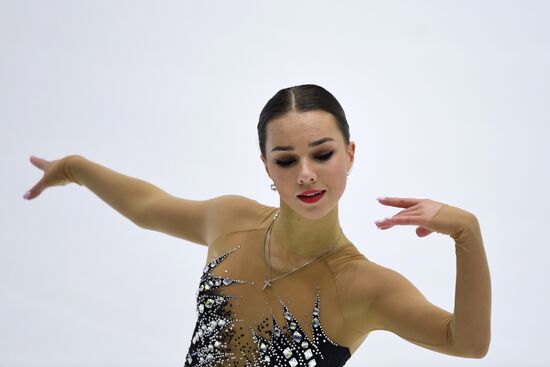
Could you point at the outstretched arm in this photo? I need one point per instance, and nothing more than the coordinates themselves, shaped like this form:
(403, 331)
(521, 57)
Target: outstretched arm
(146, 205)
(399, 307)
(123, 193)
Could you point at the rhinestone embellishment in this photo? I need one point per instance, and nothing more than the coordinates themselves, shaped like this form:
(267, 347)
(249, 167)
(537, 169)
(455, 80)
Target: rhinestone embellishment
(291, 347)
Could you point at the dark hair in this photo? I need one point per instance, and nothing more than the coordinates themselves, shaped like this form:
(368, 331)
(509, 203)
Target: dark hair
(301, 98)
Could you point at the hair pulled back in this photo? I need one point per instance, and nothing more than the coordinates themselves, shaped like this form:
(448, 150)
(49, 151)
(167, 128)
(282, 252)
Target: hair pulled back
(301, 98)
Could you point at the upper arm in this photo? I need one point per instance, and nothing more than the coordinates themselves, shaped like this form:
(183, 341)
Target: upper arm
(198, 221)
(398, 306)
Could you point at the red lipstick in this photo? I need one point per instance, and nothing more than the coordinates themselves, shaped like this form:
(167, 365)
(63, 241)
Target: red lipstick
(311, 196)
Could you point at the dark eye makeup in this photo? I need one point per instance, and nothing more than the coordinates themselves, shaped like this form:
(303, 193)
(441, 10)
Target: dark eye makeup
(288, 162)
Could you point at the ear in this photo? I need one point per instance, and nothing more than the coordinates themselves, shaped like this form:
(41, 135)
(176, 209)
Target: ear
(351, 154)
(265, 164)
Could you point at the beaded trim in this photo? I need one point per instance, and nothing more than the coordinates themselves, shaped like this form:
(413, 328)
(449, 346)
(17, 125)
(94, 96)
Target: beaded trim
(288, 346)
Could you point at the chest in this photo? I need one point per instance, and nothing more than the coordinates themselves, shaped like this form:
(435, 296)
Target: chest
(296, 321)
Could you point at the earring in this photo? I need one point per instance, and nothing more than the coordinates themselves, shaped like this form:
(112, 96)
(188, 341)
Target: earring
(347, 174)
(273, 187)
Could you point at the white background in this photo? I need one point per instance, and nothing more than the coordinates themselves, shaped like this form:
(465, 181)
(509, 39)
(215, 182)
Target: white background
(446, 100)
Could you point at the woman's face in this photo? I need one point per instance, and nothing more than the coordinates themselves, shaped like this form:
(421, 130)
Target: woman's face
(306, 151)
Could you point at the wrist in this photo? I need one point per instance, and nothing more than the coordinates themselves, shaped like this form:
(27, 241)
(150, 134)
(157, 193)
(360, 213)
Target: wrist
(70, 167)
(469, 234)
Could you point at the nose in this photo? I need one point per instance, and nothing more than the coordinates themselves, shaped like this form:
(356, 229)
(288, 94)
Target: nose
(306, 174)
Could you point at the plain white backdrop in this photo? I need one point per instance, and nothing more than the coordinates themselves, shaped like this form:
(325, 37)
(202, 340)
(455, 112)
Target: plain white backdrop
(447, 100)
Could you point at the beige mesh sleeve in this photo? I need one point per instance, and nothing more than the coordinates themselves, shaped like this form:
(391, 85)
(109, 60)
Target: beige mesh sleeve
(198, 221)
(379, 298)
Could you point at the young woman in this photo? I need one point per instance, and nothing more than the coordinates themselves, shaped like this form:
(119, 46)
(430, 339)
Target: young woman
(283, 286)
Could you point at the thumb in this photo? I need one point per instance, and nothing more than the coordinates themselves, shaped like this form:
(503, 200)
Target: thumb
(422, 232)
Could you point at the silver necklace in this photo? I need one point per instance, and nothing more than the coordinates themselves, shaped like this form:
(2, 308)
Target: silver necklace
(267, 283)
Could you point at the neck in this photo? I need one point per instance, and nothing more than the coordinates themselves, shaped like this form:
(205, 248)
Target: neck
(295, 239)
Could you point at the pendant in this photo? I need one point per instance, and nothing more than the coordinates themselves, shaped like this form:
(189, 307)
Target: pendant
(267, 283)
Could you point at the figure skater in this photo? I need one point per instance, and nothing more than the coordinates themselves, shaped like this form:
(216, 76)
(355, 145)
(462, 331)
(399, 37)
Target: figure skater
(283, 286)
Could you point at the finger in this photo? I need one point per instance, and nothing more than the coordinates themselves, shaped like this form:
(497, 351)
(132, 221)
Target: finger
(384, 223)
(412, 211)
(390, 222)
(399, 202)
(39, 162)
(36, 190)
(404, 220)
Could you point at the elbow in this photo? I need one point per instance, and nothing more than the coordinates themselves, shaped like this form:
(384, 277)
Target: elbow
(475, 345)
(481, 347)
(472, 349)
(477, 351)
(481, 350)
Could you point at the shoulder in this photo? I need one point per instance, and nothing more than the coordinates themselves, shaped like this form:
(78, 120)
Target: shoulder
(235, 203)
(354, 272)
(230, 213)
(365, 279)
(240, 208)
(360, 282)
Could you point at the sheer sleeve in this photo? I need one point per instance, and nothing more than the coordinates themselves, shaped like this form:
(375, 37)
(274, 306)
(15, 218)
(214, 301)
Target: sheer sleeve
(148, 206)
(383, 299)
(229, 213)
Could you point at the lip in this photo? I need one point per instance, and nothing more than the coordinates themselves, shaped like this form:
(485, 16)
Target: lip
(312, 199)
(309, 192)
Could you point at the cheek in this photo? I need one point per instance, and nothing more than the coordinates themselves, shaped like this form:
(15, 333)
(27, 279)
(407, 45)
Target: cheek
(338, 168)
(337, 175)
(338, 180)
(282, 178)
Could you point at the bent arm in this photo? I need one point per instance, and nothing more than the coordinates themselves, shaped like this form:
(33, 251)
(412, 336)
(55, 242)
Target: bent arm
(472, 311)
(402, 309)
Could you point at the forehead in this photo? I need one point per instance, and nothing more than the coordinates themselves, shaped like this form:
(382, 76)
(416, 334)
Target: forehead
(301, 128)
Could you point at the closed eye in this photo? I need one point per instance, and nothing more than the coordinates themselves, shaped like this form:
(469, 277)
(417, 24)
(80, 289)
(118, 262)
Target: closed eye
(288, 162)
(326, 156)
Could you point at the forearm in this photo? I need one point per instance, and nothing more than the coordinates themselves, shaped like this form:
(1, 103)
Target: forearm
(125, 194)
(471, 325)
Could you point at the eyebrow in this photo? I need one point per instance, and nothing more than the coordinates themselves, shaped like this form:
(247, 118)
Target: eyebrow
(312, 144)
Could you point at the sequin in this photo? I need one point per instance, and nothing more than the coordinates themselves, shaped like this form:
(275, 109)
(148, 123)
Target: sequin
(215, 330)
(287, 353)
(209, 302)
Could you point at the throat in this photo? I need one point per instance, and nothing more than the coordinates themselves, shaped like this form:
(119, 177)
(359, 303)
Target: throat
(287, 255)
(295, 240)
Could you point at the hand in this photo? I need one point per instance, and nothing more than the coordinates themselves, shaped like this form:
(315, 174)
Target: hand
(53, 175)
(418, 211)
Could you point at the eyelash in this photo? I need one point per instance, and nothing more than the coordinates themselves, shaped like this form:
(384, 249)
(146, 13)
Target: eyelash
(322, 157)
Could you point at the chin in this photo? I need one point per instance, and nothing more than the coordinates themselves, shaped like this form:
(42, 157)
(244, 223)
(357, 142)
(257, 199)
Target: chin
(313, 212)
